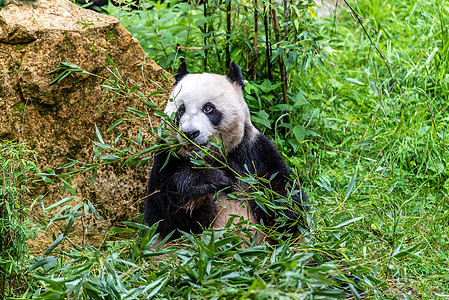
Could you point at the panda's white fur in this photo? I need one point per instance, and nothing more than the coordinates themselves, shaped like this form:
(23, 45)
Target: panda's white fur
(194, 91)
(184, 197)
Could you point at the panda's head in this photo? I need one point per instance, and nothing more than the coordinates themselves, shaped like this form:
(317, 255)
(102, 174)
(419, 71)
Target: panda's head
(209, 105)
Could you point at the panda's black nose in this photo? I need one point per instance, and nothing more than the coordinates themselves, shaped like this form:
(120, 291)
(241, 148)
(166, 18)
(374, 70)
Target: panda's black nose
(192, 134)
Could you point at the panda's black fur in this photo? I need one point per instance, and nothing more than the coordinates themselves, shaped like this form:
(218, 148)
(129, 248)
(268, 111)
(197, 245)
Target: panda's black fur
(178, 185)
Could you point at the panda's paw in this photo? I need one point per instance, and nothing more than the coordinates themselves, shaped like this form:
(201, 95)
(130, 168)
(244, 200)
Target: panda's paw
(222, 183)
(212, 187)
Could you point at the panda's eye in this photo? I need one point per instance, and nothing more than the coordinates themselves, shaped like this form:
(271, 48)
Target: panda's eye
(208, 108)
(181, 110)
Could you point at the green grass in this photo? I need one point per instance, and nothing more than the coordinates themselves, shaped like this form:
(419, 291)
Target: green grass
(367, 141)
(390, 134)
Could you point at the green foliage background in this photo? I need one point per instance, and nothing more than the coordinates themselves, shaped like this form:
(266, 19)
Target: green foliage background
(362, 125)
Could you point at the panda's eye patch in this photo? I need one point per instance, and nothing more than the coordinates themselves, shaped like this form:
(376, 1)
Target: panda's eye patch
(212, 113)
(181, 110)
(208, 108)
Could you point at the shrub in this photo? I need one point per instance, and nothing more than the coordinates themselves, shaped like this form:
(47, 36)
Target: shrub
(17, 170)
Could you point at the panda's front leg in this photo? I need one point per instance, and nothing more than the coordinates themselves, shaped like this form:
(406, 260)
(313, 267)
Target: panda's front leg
(191, 185)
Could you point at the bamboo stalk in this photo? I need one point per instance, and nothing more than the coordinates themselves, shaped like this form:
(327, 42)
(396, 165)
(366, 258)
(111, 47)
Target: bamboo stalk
(255, 41)
(228, 34)
(281, 60)
(285, 18)
(206, 32)
(267, 41)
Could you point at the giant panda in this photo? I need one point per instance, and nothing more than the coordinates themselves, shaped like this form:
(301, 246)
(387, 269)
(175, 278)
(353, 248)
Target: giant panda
(183, 196)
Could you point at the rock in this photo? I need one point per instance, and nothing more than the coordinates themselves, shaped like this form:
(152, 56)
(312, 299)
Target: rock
(57, 120)
(326, 8)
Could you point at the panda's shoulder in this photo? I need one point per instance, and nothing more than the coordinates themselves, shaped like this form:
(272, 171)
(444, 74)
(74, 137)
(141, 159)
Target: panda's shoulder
(259, 152)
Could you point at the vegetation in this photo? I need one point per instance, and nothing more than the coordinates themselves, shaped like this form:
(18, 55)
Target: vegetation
(356, 103)
(366, 131)
(17, 170)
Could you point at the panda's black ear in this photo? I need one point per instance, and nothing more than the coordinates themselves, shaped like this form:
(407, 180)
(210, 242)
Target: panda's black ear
(182, 71)
(235, 74)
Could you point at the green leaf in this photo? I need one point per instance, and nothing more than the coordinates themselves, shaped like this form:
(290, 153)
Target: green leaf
(117, 123)
(373, 86)
(136, 225)
(70, 164)
(67, 199)
(156, 286)
(164, 240)
(122, 230)
(430, 58)
(261, 117)
(364, 143)
(155, 93)
(137, 112)
(99, 135)
(109, 157)
(281, 107)
(351, 185)
(42, 262)
(347, 222)
(69, 225)
(102, 146)
(150, 104)
(68, 187)
(151, 149)
(299, 132)
(69, 65)
(60, 77)
(139, 137)
(94, 211)
(94, 175)
(355, 81)
(400, 125)
(109, 60)
(255, 251)
(54, 244)
(148, 253)
(398, 254)
(45, 179)
(300, 99)
(312, 12)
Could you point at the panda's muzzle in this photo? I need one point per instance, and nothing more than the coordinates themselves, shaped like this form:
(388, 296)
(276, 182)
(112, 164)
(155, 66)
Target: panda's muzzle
(191, 134)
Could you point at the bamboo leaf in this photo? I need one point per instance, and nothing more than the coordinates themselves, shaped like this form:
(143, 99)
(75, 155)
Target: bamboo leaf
(67, 199)
(100, 138)
(354, 81)
(94, 211)
(398, 254)
(68, 187)
(350, 188)
(54, 244)
(347, 222)
(42, 262)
